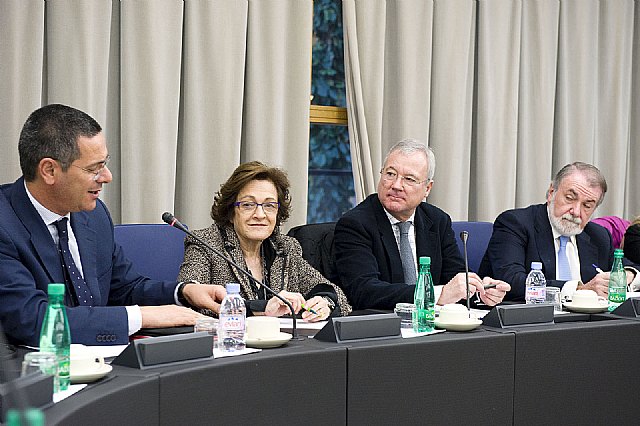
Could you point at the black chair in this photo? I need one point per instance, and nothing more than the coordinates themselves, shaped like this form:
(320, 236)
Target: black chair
(316, 240)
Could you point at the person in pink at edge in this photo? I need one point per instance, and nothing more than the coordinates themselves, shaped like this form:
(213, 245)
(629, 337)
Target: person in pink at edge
(616, 227)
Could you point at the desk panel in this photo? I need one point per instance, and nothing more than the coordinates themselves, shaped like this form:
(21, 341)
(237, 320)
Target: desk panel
(297, 384)
(571, 373)
(424, 380)
(116, 400)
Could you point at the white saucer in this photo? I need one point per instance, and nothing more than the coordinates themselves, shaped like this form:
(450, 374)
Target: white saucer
(600, 307)
(269, 343)
(459, 326)
(91, 376)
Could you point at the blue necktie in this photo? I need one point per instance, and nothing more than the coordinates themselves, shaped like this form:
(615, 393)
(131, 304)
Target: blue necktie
(564, 270)
(408, 265)
(72, 274)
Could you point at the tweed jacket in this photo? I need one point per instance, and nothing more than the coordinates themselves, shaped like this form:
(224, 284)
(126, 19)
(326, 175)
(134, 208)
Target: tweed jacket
(287, 270)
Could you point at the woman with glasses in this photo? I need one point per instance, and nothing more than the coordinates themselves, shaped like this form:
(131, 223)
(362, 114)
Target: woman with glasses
(247, 213)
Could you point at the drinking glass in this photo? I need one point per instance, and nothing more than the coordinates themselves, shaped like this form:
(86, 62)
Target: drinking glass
(553, 297)
(210, 325)
(43, 362)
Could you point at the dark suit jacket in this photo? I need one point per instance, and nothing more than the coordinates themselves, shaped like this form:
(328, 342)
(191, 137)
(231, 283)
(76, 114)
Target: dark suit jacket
(368, 259)
(29, 261)
(632, 243)
(522, 236)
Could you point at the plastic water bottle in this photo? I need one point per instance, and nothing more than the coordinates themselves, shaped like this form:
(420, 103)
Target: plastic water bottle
(231, 327)
(536, 285)
(424, 298)
(55, 337)
(617, 281)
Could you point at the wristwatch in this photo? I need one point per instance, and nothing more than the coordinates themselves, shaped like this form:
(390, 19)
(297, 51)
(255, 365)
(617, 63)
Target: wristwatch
(330, 302)
(183, 300)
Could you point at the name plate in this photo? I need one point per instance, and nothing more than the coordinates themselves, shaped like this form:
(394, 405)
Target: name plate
(360, 328)
(629, 308)
(519, 315)
(35, 390)
(156, 351)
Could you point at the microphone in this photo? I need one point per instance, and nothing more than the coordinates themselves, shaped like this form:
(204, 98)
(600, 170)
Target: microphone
(171, 220)
(463, 236)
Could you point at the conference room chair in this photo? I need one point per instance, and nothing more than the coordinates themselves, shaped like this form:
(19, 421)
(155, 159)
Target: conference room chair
(477, 241)
(156, 250)
(316, 240)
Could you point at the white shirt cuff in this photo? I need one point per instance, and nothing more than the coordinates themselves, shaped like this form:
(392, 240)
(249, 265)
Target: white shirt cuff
(569, 287)
(437, 291)
(134, 318)
(635, 284)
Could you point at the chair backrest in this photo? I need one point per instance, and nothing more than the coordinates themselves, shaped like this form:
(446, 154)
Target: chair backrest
(477, 242)
(156, 250)
(316, 240)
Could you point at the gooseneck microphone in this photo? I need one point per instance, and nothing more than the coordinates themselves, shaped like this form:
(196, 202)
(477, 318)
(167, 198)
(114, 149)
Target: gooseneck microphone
(463, 236)
(171, 220)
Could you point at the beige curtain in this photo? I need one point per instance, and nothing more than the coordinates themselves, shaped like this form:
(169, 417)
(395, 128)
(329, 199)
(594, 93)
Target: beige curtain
(514, 90)
(185, 90)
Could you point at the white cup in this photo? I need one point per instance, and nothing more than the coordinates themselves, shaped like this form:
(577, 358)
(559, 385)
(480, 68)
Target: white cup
(585, 298)
(454, 313)
(84, 360)
(263, 328)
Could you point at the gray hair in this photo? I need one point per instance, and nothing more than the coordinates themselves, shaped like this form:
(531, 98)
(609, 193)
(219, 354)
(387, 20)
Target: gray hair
(410, 146)
(594, 177)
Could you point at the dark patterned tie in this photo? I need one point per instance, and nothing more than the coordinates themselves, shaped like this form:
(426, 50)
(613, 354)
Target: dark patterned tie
(408, 265)
(72, 273)
(564, 269)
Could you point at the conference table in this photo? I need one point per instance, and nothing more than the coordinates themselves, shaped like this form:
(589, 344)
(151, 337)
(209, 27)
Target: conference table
(578, 371)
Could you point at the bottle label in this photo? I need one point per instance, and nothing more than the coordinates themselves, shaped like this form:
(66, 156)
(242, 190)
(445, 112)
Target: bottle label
(231, 322)
(536, 294)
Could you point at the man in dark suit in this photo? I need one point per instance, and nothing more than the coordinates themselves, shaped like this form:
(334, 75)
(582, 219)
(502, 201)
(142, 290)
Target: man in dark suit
(63, 157)
(534, 234)
(369, 239)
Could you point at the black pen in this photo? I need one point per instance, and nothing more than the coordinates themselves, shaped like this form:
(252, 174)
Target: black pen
(488, 286)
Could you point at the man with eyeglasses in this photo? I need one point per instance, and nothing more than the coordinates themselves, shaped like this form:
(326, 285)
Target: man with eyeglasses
(377, 243)
(54, 228)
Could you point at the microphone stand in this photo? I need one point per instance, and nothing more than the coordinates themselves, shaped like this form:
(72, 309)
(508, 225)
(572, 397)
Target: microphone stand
(463, 236)
(170, 219)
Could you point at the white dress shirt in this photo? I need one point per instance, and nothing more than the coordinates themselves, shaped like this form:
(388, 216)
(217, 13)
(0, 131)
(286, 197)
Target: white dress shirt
(134, 315)
(412, 241)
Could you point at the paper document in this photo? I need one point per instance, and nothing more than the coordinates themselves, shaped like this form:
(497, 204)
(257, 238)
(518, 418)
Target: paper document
(217, 353)
(300, 324)
(408, 333)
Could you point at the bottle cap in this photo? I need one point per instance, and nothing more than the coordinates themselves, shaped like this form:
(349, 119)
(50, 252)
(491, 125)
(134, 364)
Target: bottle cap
(618, 253)
(233, 288)
(13, 417)
(34, 417)
(56, 289)
(425, 260)
(536, 265)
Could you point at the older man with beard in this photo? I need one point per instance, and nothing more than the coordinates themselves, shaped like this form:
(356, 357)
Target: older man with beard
(559, 235)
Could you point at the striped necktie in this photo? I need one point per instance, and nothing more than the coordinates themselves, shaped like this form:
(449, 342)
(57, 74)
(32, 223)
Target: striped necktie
(408, 264)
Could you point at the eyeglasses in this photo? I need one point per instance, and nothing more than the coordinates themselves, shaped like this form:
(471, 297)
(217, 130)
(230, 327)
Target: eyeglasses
(96, 171)
(392, 176)
(269, 207)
